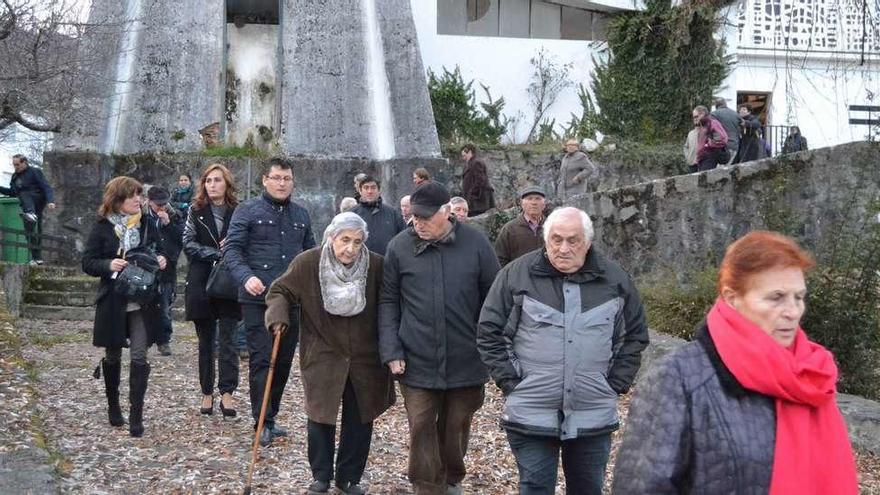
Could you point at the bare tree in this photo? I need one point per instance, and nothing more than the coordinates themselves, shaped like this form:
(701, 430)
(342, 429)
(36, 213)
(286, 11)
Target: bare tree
(549, 78)
(46, 66)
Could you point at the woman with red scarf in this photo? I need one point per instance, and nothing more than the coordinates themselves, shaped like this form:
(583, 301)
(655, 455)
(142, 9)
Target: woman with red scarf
(749, 406)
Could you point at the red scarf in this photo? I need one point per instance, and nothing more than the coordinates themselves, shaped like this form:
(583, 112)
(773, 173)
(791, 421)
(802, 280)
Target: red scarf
(812, 453)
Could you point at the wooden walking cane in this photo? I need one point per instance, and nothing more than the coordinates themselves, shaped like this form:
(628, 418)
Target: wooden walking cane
(250, 477)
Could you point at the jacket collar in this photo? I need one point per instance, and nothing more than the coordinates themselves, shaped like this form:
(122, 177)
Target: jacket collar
(593, 267)
(728, 381)
(274, 202)
(420, 245)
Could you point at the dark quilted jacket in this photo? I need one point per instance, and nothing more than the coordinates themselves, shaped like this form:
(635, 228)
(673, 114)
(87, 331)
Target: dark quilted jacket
(692, 428)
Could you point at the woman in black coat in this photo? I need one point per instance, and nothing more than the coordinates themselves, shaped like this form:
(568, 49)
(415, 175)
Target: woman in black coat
(750, 145)
(203, 238)
(119, 322)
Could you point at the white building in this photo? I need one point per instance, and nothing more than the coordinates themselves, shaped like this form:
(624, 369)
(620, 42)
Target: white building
(798, 62)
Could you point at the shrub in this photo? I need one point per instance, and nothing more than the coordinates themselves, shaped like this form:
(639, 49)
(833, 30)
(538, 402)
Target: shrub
(456, 114)
(676, 309)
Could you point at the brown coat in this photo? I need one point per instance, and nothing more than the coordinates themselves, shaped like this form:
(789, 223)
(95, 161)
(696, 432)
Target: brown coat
(333, 349)
(516, 239)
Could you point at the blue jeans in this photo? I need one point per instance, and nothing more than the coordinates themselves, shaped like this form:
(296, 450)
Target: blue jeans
(166, 299)
(583, 462)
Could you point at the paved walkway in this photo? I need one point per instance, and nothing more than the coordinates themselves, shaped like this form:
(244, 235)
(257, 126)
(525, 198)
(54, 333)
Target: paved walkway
(68, 446)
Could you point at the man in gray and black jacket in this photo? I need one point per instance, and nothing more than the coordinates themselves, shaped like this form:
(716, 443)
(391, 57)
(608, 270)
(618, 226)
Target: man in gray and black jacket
(436, 276)
(562, 331)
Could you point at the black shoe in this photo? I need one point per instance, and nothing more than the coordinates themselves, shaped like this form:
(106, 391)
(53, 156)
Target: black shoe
(227, 412)
(209, 410)
(164, 349)
(350, 488)
(111, 388)
(265, 436)
(137, 379)
(277, 431)
(317, 487)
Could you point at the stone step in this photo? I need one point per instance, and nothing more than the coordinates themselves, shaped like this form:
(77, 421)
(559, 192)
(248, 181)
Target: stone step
(71, 298)
(54, 271)
(80, 284)
(60, 298)
(75, 313)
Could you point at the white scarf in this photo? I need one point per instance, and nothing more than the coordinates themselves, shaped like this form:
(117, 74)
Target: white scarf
(343, 288)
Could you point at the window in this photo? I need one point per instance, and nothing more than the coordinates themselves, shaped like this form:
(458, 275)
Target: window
(519, 19)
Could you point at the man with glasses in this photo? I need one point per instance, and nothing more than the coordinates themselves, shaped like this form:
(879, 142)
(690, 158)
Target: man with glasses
(265, 234)
(435, 278)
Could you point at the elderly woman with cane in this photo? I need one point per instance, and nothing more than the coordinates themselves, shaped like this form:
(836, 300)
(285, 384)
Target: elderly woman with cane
(339, 353)
(749, 406)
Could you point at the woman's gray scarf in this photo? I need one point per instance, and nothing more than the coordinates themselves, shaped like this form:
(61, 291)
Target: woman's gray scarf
(343, 288)
(127, 229)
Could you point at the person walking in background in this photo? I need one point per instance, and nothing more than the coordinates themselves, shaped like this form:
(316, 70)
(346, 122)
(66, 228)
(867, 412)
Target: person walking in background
(121, 230)
(577, 173)
(405, 210)
(691, 144)
(459, 207)
(34, 194)
(730, 120)
(712, 141)
(562, 331)
(751, 146)
(204, 237)
(475, 187)
(265, 234)
(336, 285)
(183, 193)
(383, 221)
(749, 405)
(420, 176)
(169, 223)
(358, 179)
(435, 278)
(524, 233)
(795, 141)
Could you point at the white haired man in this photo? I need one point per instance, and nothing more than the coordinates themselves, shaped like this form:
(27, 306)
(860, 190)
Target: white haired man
(459, 207)
(562, 331)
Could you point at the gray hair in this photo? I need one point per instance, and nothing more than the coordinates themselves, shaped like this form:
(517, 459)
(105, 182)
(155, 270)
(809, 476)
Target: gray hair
(558, 216)
(347, 203)
(345, 221)
(456, 200)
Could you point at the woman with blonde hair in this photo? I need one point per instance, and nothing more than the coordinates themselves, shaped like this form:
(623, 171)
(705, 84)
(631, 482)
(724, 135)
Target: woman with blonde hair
(203, 239)
(749, 406)
(121, 231)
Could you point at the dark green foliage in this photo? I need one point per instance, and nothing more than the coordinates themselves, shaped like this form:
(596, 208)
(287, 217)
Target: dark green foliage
(497, 220)
(456, 114)
(843, 303)
(677, 309)
(666, 158)
(588, 123)
(661, 62)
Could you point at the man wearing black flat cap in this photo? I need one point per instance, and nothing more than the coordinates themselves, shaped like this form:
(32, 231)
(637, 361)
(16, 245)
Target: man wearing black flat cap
(523, 233)
(435, 278)
(169, 223)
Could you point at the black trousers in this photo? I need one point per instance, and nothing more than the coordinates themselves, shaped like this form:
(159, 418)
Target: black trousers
(227, 358)
(259, 341)
(354, 444)
(33, 230)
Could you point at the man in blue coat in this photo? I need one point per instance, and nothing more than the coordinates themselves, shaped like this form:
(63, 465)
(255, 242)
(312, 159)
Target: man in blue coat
(265, 234)
(34, 194)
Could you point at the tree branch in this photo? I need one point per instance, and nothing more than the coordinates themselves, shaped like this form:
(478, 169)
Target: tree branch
(9, 24)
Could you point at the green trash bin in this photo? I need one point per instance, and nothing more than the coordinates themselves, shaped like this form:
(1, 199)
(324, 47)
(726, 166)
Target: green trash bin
(10, 218)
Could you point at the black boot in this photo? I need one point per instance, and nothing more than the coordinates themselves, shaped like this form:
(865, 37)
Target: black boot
(111, 388)
(137, 383)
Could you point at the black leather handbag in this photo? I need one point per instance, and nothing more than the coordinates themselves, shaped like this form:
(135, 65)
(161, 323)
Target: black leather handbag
(137, 281)
(221, 284)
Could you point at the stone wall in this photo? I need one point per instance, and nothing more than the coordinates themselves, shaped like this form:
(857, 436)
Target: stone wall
(679, 223)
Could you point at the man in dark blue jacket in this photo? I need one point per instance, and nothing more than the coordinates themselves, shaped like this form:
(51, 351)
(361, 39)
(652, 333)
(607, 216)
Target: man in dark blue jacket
(168, 222)
(34, 194)
(265, 234)
(383, 221)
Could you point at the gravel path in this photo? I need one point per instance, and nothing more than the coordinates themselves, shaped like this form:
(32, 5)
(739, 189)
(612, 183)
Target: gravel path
(185, 452)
